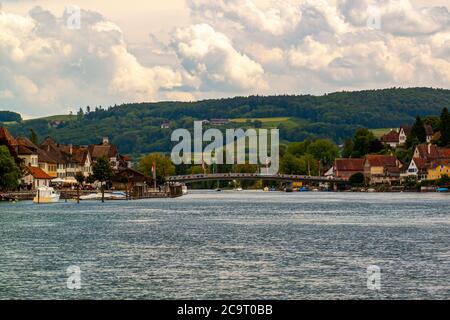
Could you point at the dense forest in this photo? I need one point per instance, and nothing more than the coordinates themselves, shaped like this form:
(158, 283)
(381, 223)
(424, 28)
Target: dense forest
(9, 116)
(136, 128)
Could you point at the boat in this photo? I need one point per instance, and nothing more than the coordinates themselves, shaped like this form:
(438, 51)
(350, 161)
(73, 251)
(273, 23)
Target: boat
(46, 195)
(238, 189)
(442, 190)
(184, 189)
(218, 189)
(117, 195)
(266, 189)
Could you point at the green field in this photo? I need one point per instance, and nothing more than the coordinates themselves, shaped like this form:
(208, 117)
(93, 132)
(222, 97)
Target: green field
(267, 123)
(378, 133)
(62, 117)
(263, 120)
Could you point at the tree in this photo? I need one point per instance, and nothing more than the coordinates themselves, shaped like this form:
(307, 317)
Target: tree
(444, 181)
(357, 179)
(290, 164)
(361, 142)
(103, 173)
(80, 114)
(298, 148)
(305, 165)
(348, 148)
(418, 133)
(324, 150)
(164, 166)
(9, 116)
(33, 136)
(80, 179)
(445, 127)
(376, 146)
(9, 171)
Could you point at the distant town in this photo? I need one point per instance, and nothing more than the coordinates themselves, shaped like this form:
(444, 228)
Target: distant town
(412, 157)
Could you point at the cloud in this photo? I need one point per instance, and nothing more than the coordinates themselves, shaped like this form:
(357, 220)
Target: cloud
(225, 48)
(329, 45)
(210, 56)
(49, 68)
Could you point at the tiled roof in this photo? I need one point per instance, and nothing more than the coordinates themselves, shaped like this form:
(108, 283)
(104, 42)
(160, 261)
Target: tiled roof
(25, 151)
(407, 129)
(444, 153)
(420, 163)
(392, 136)
(428, 151)
(376, 160)
(98, 151)
(349, 164)
(44, 156)
(38, 173)
(7, 137)
(22, 141)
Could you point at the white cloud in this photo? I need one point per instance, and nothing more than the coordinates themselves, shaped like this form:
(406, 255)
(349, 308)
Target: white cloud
(49, 67)
(225, 48)
(210, 56)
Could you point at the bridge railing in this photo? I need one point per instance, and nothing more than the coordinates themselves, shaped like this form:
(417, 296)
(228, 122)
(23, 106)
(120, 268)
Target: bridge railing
(212, 176)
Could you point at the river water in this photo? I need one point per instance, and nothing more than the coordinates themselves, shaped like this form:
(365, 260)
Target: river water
(229, 245)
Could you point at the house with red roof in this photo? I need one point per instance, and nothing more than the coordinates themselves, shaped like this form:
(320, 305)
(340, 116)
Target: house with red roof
(345, 168)
(426, 157)
(36, 177)
(391, 139)
(382, 169)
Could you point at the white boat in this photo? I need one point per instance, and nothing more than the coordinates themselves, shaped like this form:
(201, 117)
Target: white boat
(184, 190)
(238, 189)
(46, 195)
(92, 196)
(117, 195)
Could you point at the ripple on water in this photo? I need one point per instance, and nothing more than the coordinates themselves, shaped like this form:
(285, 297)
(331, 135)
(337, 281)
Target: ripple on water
(229, 245)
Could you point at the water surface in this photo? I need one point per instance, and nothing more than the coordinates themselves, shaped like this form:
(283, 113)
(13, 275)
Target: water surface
(229, 245)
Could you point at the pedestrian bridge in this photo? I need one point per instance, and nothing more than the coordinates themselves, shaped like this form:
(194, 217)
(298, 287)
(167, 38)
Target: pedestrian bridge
(252, 176)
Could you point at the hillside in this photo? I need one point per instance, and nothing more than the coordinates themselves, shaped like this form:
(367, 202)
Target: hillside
(135, 128)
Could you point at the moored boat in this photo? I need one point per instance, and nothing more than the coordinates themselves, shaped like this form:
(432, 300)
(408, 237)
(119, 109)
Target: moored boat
(46, 195)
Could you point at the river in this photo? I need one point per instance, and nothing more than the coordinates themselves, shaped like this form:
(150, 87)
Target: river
(229, 245)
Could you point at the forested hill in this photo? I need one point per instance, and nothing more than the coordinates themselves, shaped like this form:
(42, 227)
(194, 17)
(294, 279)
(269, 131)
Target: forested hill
(135, 128)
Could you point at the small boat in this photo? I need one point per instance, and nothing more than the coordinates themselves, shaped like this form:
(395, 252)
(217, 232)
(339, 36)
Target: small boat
(442, 190)
(92, 196)
(266, 189)
(46, 195)
(117, 195)
(238, 189)
(218, 189)
(184, 190)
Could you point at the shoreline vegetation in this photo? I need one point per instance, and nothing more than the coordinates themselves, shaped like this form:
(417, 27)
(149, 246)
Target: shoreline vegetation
(413, 156)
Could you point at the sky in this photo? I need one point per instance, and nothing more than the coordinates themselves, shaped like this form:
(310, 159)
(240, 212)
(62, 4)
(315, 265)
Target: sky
(54, 60)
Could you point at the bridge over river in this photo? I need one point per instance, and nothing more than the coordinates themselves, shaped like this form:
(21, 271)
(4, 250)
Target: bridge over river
(252, 176)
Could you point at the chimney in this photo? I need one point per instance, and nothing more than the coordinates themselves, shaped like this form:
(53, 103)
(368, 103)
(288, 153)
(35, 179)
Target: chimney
(105, 141)
(70, 148)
